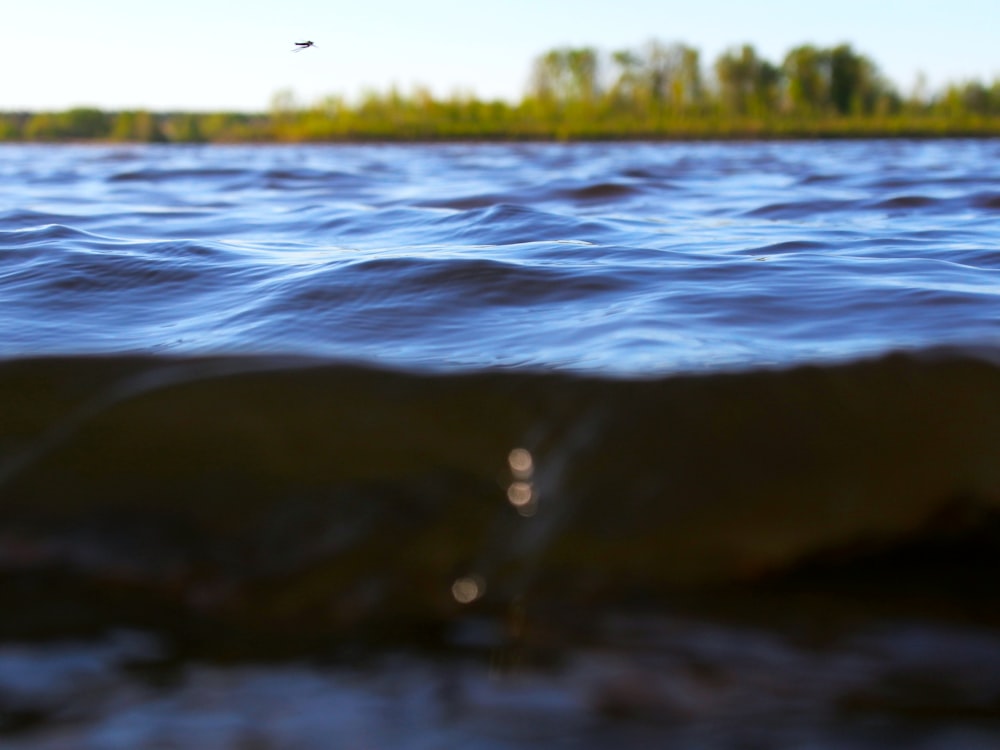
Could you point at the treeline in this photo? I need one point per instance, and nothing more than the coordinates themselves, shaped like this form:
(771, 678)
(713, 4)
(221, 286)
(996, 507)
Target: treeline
(656, 91)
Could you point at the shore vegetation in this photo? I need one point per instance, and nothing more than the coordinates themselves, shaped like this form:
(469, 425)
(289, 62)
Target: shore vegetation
(656, 91)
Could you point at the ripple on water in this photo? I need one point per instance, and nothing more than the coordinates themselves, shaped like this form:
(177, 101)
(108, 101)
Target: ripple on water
(448, 241)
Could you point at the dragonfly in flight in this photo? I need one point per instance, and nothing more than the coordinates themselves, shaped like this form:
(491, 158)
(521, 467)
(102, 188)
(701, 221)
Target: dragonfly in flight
(299, 46)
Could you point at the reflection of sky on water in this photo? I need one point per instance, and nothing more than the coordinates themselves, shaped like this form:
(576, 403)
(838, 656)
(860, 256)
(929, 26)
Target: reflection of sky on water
(613, 258)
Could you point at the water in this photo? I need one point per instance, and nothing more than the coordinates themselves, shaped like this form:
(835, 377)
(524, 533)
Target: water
(593, 444)
(629, 259)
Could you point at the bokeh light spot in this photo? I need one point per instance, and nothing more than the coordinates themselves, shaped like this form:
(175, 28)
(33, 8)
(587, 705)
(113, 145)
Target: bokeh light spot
(468, 588)
(521, 463)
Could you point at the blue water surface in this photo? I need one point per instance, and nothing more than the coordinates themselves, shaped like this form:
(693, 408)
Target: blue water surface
(612, 258)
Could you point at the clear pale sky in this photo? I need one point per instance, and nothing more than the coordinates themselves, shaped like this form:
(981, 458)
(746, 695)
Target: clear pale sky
(235, 54)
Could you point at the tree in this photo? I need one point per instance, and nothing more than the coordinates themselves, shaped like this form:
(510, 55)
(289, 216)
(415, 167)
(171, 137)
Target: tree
(85, 122)
(973, 98)
(184, 128)
(807, 72)
(138, 126)
(10, 127)
(747, 83)
(836, 80)
(43, 126)
(855, 84)
(673, 75)
(626, 88)
(566, 75)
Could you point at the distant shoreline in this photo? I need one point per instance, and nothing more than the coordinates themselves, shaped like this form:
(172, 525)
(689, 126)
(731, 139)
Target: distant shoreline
(514, 125)
(655, 92)
(360, 140)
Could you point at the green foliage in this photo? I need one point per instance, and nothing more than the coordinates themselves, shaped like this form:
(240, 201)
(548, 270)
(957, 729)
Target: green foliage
(75, 124)
(182, 128)
(11, 126)
(748, 84)
(141, 127)
(568, 75)
(657, 90)
(837, 80)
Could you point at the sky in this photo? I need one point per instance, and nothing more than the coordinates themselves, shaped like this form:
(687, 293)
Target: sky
(212, 55)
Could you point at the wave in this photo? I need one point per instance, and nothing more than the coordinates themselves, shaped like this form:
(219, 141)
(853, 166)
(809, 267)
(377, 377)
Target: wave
(626, 258)
(802, 209)
(319, 496)
(986, 200)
